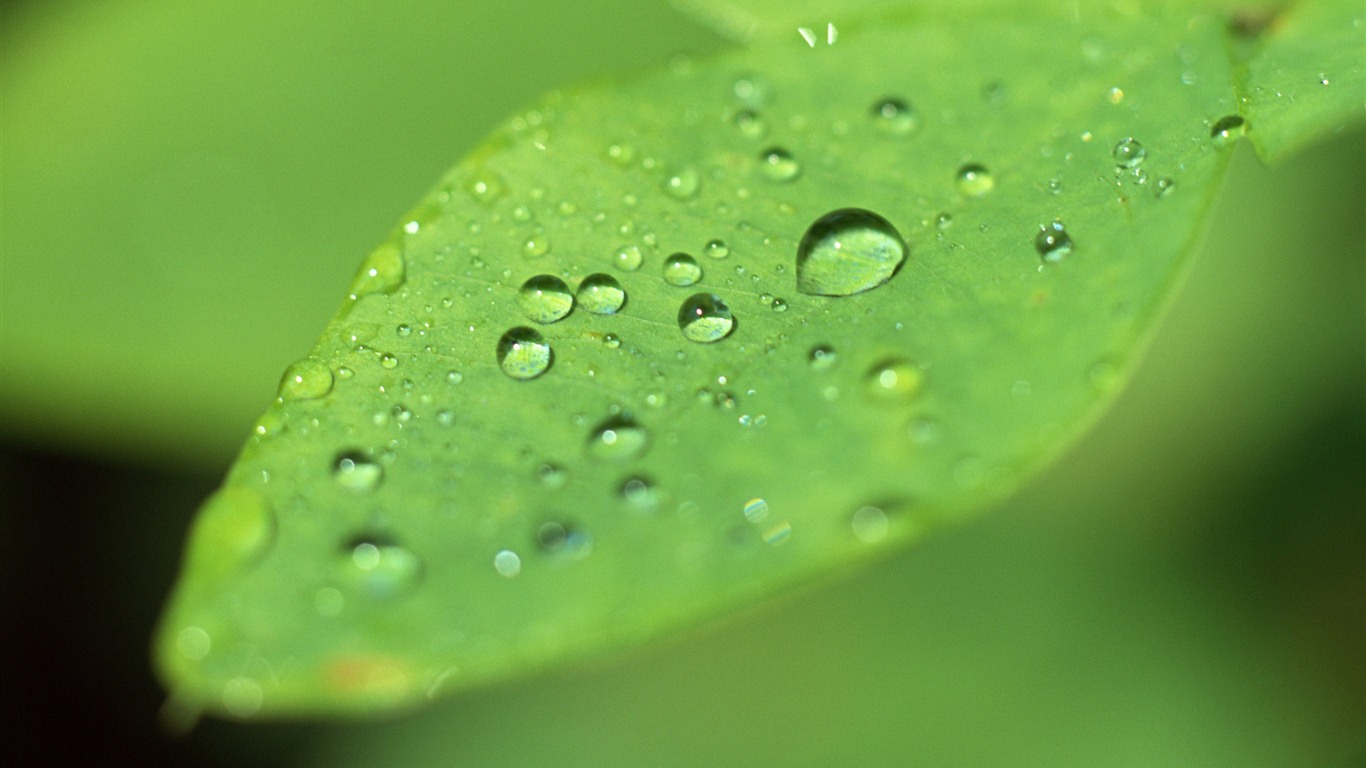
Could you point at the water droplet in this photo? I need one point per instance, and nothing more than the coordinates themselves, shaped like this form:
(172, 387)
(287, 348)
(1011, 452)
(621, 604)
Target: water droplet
(1227, 130)
(486, 188)
(381, 272)
(682, 270)
(705, 318)
(545, 298)
(235, 529)
(974, 180)
(507, 563)
(454, 377)
(752, 90)
(895, 117)
(716, 249)
(388, 361)
(242, 697)
(821, 357)
(1164, 186)
(1053, 242)
(894, 379)
(379, 568)
(523, 353)
(193, 643)
(779, 304)
(611, 340)
(306, 379)
(779, 165)
(848, 251)
(640, 493)
(869, 524)
(1128, 153)
(755, 510)
(627, 258)
(943, 221)
(618, 438)
(563, 540)
(357, 472)
(1115, 96)
(536, 246)
(683, 184)
(778, 534)
(552, 476)
(600, 294)
(750, 124)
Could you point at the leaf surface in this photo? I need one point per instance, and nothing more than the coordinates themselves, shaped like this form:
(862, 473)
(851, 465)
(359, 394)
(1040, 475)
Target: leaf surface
(465, 482)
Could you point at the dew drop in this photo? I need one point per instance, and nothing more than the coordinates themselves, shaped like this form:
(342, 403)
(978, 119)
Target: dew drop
(381, 272)
(869, 524)
(618, 438)
(563, 540)
(306, 379)
(454, 377)
(943, 221)
(611, 340)
(545, 298)
(974, 180)
(641, 493)
(681, 270)
(242, 697)
(536, 246)
(507, 563)
(388, 361)
(683, 184)
(895, 117)
(600, 294)
(379, 568)
(1227, 130)
(523, 353)
(821, 357)
(193, 643)
(235, 529)
(1053, 242)
(779, 165)
(848, 251)
(750, 124)
(1163, 186)
(705, 318)
(356, 472)
(894, 379)
(628, 258)
(1128, 153)
(716, 249)
(552, 476)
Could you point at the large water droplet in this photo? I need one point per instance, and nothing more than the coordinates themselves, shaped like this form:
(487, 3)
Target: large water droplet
(779, 165)
(235, 529)
(1128, 153)
(601, 294)
(1227, 130)
(974, 180)
(894, 116)
(704, 318)
(357, 472)
(381, 272)
(523, 353)
(682, 270)
(628, 258)
(1053, 242)
(306, 379)
(545, 298)
(617, 439)
(379, 568)
(848, 251)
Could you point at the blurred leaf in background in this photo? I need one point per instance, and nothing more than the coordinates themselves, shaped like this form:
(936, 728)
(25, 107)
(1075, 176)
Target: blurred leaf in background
(1185, 588)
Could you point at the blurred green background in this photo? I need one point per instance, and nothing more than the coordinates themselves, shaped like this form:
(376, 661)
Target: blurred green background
(185, 190)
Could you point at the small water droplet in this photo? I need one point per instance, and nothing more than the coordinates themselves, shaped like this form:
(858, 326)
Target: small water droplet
(618, 438)
(1128, 153)
(379, 568)
(242, 697)
(536, 246)
(821, 357)
(681, 270)
(716, 249)
(705, 318)
(628, 258)
(869, 524)
(1114, 95)
(755, 510)
(1164, 186)
(974, 180)
(895, 117)
(894, 379)
(562, 540)
(454, 377)
(683, 184)
(600, 294)
(193, 643)
(523, 353)
(486, 188)
(750, 124)
(1053, 242)
(388, 361)
(552, 476)
(779, 304)
(507, 563)
(611, 340)
(641, 493)
(779, 165)
(381, 272)
(943, 221)
(545, 299)
(1227, 130)
(848, 251)
(306, 379)
(356, 472)
(752, 90)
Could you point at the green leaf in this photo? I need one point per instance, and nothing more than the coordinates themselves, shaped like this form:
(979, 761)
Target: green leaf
(460, 484)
